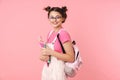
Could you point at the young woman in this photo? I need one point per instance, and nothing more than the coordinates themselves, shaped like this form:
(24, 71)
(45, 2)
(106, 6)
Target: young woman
(54, 69)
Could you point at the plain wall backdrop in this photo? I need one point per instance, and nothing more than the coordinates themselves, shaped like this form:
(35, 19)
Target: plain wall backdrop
(94, 24)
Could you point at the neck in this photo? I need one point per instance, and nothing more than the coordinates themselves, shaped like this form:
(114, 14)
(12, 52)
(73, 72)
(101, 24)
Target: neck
(57, 29)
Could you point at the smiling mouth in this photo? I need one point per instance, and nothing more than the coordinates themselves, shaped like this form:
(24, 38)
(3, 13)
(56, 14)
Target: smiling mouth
(55, 23)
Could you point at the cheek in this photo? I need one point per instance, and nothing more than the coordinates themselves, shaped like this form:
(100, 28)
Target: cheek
(51, 21)
(59, 20)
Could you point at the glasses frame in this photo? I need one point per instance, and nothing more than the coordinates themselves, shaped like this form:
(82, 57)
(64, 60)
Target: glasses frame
(57, 17)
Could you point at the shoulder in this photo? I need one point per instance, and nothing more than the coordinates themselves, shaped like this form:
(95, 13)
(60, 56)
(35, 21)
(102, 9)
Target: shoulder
(64, 36)
(64, 32)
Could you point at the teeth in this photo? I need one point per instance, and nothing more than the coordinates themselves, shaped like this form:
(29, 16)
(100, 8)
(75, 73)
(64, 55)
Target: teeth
(54, 23)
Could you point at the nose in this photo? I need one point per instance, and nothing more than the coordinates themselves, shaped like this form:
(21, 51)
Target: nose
(55, 19)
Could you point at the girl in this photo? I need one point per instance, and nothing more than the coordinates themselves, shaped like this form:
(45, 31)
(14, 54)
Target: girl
(52, 54)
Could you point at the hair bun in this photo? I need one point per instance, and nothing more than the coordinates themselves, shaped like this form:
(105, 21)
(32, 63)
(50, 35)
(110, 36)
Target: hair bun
(64, 8)
(47, 8)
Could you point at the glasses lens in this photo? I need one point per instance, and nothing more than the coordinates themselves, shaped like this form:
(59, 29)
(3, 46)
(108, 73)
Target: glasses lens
(57, 17)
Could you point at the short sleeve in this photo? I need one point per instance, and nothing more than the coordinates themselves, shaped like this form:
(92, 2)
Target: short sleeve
(64, 36)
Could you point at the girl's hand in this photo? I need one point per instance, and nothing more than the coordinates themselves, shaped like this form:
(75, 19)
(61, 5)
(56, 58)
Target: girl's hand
(44, 58)
(46, 51)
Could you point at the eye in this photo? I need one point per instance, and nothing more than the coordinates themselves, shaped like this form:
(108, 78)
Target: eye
(58, 17)
(51, 17)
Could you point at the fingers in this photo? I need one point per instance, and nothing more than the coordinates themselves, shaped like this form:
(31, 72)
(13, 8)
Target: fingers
(44, 52)
(44, 58)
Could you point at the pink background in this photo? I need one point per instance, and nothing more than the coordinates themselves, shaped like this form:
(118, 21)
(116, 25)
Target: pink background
(94, 24)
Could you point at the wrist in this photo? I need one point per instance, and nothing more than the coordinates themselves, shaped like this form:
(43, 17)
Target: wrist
(52, 52)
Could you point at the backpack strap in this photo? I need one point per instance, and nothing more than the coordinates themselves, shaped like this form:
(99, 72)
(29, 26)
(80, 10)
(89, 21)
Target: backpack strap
(56, 36)
(63, 50)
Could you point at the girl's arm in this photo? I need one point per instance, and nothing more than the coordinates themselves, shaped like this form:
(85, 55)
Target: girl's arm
(68, 56)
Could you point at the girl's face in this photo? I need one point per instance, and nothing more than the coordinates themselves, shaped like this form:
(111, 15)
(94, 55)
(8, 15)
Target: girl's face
(55, 19)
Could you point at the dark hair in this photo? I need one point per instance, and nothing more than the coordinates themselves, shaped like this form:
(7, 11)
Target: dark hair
(61, 10)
